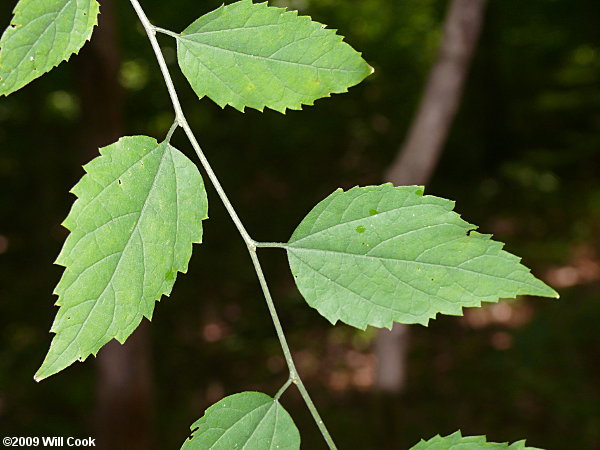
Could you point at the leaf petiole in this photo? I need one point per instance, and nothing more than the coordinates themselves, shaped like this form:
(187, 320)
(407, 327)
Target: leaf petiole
(270, 245)
(165, 31)
(180, 120)
(283, 388)
(171, 131)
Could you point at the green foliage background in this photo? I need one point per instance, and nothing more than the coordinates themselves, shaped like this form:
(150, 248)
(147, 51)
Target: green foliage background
(522, 161)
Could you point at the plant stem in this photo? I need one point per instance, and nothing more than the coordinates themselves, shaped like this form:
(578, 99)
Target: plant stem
(180, 117)
(180, 120)
(286, 351)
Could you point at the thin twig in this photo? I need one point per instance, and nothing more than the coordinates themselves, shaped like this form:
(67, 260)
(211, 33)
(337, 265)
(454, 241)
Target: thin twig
(151, 32)
(286, 351)
(250, 243)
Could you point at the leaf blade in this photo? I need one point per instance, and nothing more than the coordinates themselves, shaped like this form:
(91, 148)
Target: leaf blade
(384, 254)
(250, 420)
(253, 55)
(456, 441)
(41, 35)
(138, 211)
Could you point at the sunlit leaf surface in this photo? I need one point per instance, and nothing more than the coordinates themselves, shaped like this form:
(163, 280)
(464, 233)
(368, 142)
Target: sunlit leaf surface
(41, 35)
(456, 441)
(247, 54)
(249, 420)
(382, 254)
(139, 209)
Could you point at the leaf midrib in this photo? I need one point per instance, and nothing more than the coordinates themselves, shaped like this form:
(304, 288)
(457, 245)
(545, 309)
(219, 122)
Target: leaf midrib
(183, 37)
(99, 193)
(359, 295)
(437, 265)
(51, 22)
(237, 421)
(260, 422)
(109, 282)
(369, 217)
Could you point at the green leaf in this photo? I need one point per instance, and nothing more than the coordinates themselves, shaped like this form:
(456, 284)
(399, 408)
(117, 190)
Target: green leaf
(455, 441)
(42, 34)
(382, 254)
(249, 420)
(139, 209)
(247, 54)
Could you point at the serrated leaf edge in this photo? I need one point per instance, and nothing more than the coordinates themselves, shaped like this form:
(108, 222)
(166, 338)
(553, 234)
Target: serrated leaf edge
(87, 39)
(298, 106)
(483, 437)
(459, 310)
(122, 338)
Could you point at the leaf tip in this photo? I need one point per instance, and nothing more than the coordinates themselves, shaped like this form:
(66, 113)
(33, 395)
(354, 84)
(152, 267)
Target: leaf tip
(42, 373)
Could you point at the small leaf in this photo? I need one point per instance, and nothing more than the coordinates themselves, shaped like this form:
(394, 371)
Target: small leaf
(249, 420)
(139, 209)
(42, 34)
(382, 254)
(247, 54)
(456, 441)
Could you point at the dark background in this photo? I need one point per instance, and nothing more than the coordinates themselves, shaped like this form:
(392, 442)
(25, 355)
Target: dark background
(522, 161)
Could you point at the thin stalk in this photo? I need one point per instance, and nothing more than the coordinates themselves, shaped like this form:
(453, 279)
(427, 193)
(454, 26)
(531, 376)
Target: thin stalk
(180, 117)
(215, 181)
(286, 351)
(271, 244)
(250, 243)
(165, 31)
(283, 388)
(171, 131)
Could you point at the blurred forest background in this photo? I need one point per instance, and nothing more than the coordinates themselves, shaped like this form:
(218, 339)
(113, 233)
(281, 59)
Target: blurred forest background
(522, 160)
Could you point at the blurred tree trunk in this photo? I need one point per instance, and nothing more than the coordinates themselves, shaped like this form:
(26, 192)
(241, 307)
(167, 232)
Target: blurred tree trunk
(420, 152)
(124, 415)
